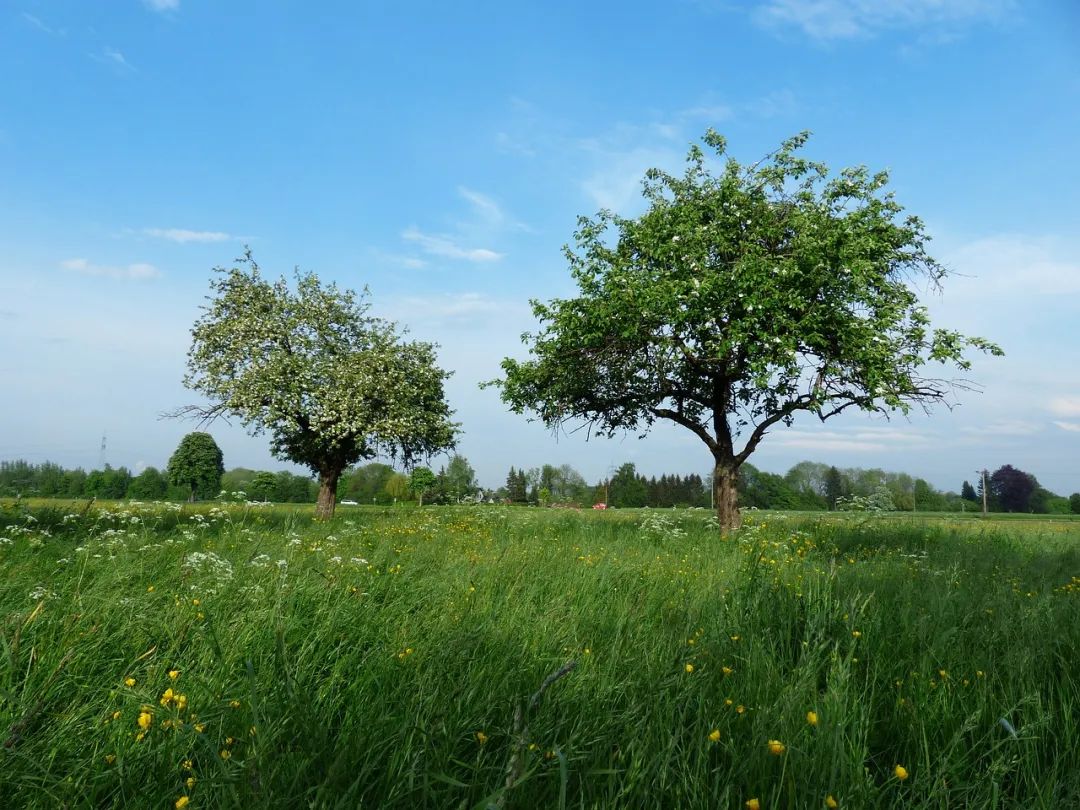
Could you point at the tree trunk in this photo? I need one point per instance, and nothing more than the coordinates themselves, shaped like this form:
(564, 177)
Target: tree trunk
(328, 481)
(726, 494)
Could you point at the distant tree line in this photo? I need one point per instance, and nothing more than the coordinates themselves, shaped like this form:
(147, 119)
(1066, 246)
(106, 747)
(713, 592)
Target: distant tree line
(808, 485)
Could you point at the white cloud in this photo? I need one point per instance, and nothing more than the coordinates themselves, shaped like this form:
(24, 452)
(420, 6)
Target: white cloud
(447, 306)
(1004, 427)
(1065, 406)
(615, 182)
(1072, 427)
(41, 26)
(447, 247)
(1015, 263)
(852, 19)
(140, 271)
(182, 235)
(162, 6)
(111, 56)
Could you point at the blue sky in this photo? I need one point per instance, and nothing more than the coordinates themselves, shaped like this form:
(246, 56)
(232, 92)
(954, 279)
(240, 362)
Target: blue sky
(440, 154)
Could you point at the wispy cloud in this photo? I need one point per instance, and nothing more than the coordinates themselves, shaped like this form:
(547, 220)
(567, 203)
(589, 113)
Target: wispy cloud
(113, 57)
(1004, 427)
(827, 20)
(41, 26)
(1072, 427)
(1065, 406)
(489, 213)
(1011, 263)
(447, 306)
(133, 272)
(162, 6)
(446, 247)
(183, 235)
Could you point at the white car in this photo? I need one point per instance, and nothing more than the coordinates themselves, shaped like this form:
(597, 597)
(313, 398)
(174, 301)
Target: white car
(348, 503)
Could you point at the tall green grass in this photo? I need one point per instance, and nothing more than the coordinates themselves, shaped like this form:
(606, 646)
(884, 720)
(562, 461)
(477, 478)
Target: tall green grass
(390, 659)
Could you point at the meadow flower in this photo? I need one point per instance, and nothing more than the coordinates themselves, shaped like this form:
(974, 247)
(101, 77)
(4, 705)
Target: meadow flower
(776, 748)
(129, 681)
(174, 674)
(901, 772)
(689, 668)
(811, 718)
(110, 759)
(714, 735)
(831, 803)
(481, 737)
(145, 720)
(181, 803)
(727, 670)
(856, 634)
(753, 804)
(234, 704)
(226, 753)
(166, 697)
(190, 782)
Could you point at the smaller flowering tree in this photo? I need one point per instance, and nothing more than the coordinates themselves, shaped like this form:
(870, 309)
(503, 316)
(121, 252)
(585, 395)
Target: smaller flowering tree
(332, 384)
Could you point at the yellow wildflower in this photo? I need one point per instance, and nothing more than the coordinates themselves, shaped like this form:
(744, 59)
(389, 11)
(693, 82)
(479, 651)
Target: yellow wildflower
(150, 589)
(129, 681)
(166, 697)
(753, 804)
(190, 782)
(110, 759)
(234, 704)
(481, 737)
(181, 701)
(901, 772)
(740, 709)
(776, 748)
(811, 718)
(187, 765)
(174, 674)
(831, 803)
(145, 720)
(226, 753)
(116, 715)
(856, 634)
(727, 670)
(200, 727)
(182, 802)
(714, 735)
(689, 668)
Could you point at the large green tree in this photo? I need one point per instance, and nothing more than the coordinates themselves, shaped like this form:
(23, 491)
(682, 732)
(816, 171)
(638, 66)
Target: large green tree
(197, 466)
(737, 300)
(329, 382)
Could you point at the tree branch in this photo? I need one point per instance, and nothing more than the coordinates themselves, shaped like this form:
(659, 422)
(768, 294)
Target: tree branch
(689, 424)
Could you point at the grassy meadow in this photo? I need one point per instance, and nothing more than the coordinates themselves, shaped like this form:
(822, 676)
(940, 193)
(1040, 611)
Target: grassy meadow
(473, 657)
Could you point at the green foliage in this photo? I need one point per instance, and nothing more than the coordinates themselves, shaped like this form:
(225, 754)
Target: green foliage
(421, 481)
(397, 487)
(458, 480)
(263, 486)
(149, 485)
(332, 384)
(1074, 503)
(626, 488)
(736, 301)
(197, 466)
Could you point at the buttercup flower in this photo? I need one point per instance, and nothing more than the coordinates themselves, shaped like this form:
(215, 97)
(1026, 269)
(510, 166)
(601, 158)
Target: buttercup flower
(901, 772)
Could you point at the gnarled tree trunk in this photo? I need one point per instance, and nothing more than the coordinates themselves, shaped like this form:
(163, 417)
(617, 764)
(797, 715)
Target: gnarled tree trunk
(328, 481)
(726, 494)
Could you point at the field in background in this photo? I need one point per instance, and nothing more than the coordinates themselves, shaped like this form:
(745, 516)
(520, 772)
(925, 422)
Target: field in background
(245, 656)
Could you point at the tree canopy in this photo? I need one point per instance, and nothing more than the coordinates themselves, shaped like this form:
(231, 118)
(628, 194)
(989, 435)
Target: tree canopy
(737, 300)
(197, 465)
(331, 383)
